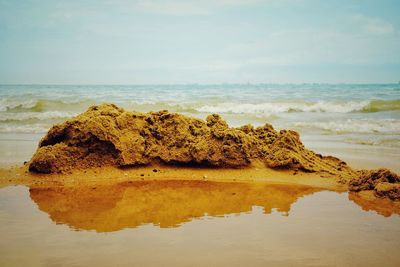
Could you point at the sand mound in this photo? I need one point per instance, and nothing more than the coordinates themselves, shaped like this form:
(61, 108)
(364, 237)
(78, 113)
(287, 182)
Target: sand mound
(108, 135)
(383, 182)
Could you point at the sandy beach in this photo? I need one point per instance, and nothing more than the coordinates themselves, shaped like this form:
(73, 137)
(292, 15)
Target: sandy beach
(199, 133)
(127, 213)
(107, 144)
(188, 172)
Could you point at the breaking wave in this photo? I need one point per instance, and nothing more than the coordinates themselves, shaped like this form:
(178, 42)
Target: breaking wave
(40, 105)
(24, 128)
(320, 106)
(24, 116)
(382, 105)
(384, 126)
(367, 106)
(391, 142)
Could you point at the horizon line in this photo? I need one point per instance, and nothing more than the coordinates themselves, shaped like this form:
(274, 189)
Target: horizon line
(204, 84)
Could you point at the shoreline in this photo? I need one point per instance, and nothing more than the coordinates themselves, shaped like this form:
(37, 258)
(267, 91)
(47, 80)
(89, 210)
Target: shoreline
(256, 173)
(196, 177)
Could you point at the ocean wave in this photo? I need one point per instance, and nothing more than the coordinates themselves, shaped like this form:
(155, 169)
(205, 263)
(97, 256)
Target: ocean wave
(7, 104)
(319, 106)
(19, 104)
(384, 126)
(381, 105)
(23, 128)
(25, 116)
(40, 105)
(392, 142)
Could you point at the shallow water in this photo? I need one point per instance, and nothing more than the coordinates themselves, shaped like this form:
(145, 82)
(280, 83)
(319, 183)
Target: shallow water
(193, 223)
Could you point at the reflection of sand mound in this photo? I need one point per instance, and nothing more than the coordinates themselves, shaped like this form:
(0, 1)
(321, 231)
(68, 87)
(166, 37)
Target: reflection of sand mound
(108, 208)
(367, 201)
(107, 134)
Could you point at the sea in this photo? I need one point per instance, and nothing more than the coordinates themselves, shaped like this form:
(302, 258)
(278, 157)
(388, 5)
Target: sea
(360, 122)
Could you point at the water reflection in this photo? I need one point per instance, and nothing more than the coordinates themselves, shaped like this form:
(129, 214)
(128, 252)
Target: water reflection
(382, 206)
(107, 208)
(112, 207)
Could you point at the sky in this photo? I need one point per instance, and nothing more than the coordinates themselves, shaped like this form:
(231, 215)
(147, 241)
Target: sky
(204, 41)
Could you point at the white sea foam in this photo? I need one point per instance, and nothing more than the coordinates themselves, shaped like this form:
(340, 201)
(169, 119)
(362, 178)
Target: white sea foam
(24, 104)
(12, 103)
(23, 116)
(282, 107)
(391, 142)
(19, 103)
(143, 102)
(23, 128)
(385, 126)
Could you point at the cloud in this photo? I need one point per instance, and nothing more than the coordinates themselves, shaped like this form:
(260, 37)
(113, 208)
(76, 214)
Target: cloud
(372, 25)
(311, 46)
(189, 7)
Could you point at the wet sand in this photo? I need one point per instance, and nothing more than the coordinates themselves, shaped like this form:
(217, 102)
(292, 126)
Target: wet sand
(86, 180)
(19, 175)
(186, 223)
(183, 216)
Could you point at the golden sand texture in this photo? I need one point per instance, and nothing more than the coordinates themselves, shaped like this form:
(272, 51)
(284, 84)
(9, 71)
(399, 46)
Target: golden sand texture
(19, 175)
(106, 135)
(383, 182)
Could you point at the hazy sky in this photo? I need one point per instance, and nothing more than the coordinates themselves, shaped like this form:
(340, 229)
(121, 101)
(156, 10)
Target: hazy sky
(209, 41)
